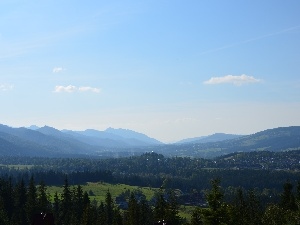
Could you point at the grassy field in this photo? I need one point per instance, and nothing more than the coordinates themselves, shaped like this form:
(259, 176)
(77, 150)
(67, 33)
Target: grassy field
(100, 189)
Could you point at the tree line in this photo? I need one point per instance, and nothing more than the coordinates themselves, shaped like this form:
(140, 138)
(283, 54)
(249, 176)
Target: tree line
(20, 202)
(152, 169)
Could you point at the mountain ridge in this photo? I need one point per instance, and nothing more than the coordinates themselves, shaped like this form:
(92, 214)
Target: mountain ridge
(50, 142)
(209, 138)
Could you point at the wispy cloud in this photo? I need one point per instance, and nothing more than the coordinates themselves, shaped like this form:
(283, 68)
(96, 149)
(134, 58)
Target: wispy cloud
(6, 87)
(231, 79)
(58, 69)
(83, 89)
(250, 40)
(71, 88)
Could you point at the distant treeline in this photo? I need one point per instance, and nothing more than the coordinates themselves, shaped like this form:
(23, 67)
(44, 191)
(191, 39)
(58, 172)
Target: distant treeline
(155, 170)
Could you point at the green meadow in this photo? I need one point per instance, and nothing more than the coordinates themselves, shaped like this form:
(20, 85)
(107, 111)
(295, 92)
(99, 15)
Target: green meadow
(97, 191)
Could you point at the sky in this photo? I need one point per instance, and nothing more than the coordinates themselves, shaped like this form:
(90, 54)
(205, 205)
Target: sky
(168, 69)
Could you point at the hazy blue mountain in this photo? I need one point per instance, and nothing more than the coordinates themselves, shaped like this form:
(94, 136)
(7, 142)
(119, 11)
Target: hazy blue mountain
(48, 141)
(32, 139)
(125, 133)
(277, 139)
(210, 138)
(119, 138)
(33, 127)
(99, 134)
(98, 138)
(15, 146)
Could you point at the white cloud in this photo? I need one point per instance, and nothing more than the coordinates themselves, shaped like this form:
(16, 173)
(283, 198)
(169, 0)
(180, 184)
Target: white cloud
(6, 87)
(236, 80)
(82, 89)
(57, 69)
(71, 88)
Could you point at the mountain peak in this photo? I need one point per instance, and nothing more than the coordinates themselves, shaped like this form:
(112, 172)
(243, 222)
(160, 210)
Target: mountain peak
(130, 134)
(33, 127)
(48, 130)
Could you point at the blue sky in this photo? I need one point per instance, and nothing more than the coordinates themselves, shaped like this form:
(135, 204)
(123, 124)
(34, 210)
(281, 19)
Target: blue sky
(169, 69)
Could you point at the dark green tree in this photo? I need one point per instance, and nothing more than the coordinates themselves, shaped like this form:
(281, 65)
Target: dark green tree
(101, 219)
(3, 215)
(78, 206)
(117, 218)
(172, 208)
(238, 209)
(66, 203)
(253, 208)
(56, 209)
(31, 203)
(109, 208)
(274, 215)
(160, 207)
(287, 200)
(43, 201)
(217, 213)
(196, 218)
(19, 216)
(133, 214)
(146, 212)
(8, 198)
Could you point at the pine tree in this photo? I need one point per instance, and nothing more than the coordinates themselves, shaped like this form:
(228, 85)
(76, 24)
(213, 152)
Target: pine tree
(238, 210)
(146, 212)
(42, 198)
(133, 216)
(172, 208)
(56, 209)
(31, 204)
(78, 204)
(8, 198)
(19, 216)
(66, 203)
(101, 220)
(217, 213)
(109, 208)
(253, 209)
(196, 218)
(3, 215)
(287, 200)
(274, 215)
(117, 218)
(160, 207)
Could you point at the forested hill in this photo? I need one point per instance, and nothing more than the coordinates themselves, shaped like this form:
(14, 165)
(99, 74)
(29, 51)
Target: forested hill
(152, 169)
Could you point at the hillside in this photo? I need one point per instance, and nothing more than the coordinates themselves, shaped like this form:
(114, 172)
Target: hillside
(277, 139)
(210, 138)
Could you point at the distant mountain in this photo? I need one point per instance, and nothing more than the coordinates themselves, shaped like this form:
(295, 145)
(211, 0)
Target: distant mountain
(35, 143)
(98, 138)
(33, 127)
(50, 142)
(211, 138)
(277, 139)
(129, 134)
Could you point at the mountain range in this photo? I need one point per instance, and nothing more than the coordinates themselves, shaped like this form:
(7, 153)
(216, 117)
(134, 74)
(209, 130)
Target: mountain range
(50, 142)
